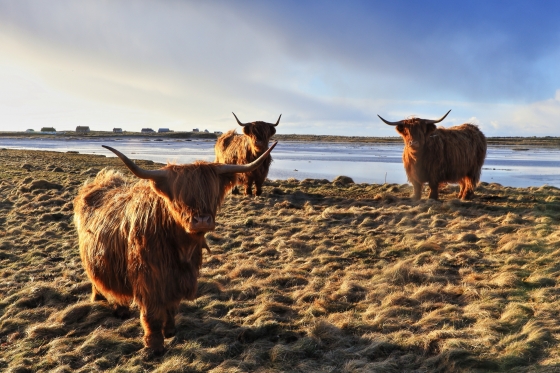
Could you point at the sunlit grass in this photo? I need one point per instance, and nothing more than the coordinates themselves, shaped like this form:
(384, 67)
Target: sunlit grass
(312, 276)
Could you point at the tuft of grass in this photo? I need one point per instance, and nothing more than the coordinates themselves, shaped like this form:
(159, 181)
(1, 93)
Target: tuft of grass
(313, 276)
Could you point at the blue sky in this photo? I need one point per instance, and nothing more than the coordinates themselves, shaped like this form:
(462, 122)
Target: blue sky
(328, 67)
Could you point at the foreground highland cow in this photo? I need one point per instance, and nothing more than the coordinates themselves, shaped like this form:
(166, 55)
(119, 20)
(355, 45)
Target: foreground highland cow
(142, 240)
(232, 148)
(441, 155)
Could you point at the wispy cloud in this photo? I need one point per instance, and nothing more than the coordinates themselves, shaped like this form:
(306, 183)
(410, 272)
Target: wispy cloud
(327, 67)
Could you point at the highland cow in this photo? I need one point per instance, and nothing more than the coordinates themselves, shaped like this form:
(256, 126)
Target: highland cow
(142, 240)
(441, 155)
(232, 148)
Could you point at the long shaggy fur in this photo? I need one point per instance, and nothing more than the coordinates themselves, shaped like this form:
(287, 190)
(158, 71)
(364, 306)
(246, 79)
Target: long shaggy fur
(232, 148)
(434, 156)
(135, 242)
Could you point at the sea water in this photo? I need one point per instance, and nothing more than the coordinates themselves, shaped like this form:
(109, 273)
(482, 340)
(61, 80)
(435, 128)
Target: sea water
(363, 162)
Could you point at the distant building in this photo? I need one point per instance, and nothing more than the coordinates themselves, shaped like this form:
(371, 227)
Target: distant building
(117, 130)
(147, 130)
(30, 130)
(48, 129)
(206, 131)
(161, 130)
(82, 129)
(218, 132)
(195, 130)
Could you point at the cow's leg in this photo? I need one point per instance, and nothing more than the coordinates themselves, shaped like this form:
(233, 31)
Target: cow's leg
(169, 325)
(433, 190)
(152, 322)
(417, 190)
(468, 193)
(462, 187)
(249, 187)
(96, 296)
(258, 185)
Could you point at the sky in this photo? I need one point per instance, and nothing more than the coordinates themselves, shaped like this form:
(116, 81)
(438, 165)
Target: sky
(329, 67)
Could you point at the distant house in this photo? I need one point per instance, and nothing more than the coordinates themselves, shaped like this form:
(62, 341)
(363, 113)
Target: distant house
(206, 131)
(195, 130)
(117, 130)
(82, 129)
(164, 130)
(147, 130)
(30, 130)
(48, 129)
(218, 132)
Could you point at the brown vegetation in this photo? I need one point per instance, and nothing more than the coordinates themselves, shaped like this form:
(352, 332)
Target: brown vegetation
(314, 276)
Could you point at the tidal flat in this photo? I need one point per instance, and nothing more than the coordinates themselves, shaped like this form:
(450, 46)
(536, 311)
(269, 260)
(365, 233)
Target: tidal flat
(313, 276)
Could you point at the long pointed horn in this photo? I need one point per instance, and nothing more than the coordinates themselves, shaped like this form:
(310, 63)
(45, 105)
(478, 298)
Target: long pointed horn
(439, 120)
(240, 168)
(389, 123)
(136, 170)
(278, 121)
(238, 122)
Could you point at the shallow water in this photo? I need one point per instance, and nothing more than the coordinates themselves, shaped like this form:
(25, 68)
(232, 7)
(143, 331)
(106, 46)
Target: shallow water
(365, 163)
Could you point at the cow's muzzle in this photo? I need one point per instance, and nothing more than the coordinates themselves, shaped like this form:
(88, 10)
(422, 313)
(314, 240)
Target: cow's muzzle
(202, 223)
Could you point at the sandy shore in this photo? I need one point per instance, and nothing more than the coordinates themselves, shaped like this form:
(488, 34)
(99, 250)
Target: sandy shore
(314, 276)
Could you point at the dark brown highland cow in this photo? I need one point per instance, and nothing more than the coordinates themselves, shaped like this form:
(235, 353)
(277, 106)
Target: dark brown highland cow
(441, 155)
(232, 148)
(142, 240)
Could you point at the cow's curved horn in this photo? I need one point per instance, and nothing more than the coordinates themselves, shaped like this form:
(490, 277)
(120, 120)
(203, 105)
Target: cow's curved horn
(139, 172)
(278, 121)
(238, 122)
(240, 168)
(439, 120)
(389, 123)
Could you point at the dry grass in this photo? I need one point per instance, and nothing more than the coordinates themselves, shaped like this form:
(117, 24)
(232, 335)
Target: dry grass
(314, 276)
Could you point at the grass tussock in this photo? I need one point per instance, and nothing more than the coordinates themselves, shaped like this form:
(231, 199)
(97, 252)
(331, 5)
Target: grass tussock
(314, 276)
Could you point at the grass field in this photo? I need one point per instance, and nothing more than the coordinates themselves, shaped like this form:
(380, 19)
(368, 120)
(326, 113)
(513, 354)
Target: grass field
(314, 276)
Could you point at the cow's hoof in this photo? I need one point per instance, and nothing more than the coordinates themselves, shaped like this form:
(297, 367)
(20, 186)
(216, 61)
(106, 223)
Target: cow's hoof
(122, 312)
(169, 333)
(150, 354)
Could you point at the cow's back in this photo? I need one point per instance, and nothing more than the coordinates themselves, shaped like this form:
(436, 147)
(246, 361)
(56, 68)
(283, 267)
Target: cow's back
(232, 148)
(448, 155)
(124, 225)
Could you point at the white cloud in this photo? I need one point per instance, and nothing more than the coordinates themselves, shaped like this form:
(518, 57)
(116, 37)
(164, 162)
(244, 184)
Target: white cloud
(540, 118)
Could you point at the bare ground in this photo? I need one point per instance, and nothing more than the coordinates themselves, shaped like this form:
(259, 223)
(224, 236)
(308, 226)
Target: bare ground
(314, 276)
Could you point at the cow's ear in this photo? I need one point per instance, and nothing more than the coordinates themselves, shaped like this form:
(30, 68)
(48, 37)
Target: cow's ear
(162, 187)
(400, 128)
(430, 128)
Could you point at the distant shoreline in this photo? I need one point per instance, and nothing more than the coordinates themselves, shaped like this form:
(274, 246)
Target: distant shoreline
(547, 141)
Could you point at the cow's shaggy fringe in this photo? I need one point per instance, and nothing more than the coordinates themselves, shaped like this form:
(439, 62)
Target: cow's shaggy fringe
(233, 148)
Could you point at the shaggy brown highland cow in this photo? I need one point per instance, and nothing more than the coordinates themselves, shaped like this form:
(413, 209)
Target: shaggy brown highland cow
(232, 148)
(142, 240)
(441, 155)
